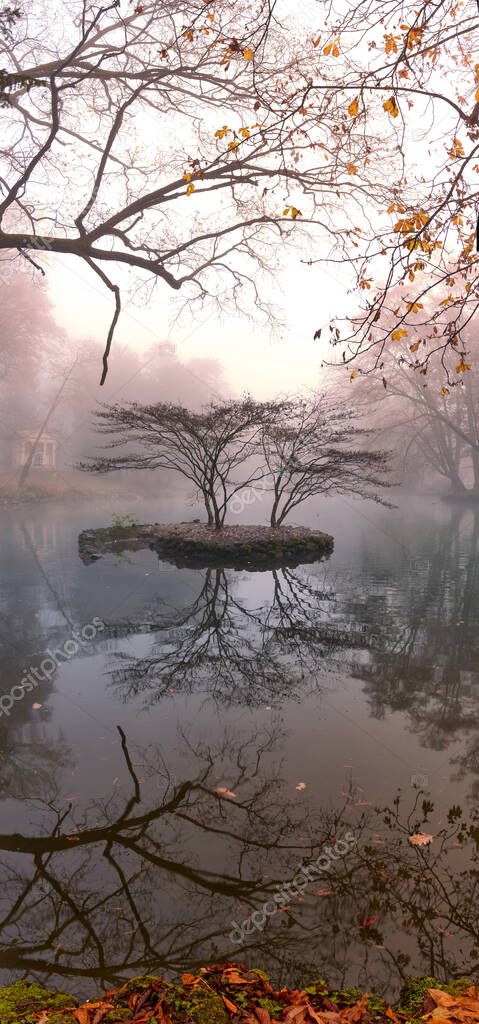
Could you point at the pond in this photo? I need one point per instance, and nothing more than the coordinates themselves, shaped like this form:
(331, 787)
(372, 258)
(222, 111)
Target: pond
(190, 740)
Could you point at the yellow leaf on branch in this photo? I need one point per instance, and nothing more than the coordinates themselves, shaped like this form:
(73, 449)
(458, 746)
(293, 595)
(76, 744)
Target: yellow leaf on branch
(399, 333)
(221, 133)
(457, 149)
(332, 48)
(352, 169)
(462, 366)
(190, 188)
(390, 44)
(391, 107)
(248, 53)
(353, 107)
(414, 348)
(292, 211)
(413, 38)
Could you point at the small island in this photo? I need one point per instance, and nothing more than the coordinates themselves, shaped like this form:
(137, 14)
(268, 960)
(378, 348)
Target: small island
(197, 545)
(236, 452)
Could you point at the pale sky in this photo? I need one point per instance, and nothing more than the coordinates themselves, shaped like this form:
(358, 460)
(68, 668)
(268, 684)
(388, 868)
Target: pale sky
(252, 360)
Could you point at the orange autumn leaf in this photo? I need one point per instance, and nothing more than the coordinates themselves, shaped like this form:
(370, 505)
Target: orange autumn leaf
(220, 133)
(292, 211)
(332, 48)
(390, 45)
(414, 348)
(391, 107)
(189, 979)
(248, 53)
(413, 38)
(392, 1016)
(353, 107)
(457, 149)
(352, 169)
(462, 366)
(398, 334)
(229, 1005)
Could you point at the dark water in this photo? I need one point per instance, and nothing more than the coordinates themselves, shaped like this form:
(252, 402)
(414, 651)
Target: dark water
(353, 679)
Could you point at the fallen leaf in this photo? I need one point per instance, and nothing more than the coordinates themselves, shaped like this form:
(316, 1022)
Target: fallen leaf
(189, 979)
(368, 921)
(229, 1005)
(262, 1015)
(37, 706)
(223, 791)
(392, 1016)
(301, 786)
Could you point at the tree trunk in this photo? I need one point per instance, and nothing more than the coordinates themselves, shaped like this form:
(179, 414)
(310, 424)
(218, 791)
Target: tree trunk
(209, 511)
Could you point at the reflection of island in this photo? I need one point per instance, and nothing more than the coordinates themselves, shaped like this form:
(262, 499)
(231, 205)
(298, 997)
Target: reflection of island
(151, 879)
(221, 645)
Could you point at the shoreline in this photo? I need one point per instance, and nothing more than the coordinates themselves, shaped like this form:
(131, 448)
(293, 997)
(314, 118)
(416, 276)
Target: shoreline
(231, 993)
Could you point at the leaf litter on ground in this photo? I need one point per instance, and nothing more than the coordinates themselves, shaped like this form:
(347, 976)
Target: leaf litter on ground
(242, 991)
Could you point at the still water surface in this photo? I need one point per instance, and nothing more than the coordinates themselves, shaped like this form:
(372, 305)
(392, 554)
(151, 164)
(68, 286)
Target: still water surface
(312, 696)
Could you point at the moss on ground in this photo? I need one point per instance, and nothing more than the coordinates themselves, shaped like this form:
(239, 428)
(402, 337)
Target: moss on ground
(20, 1003)
(413, 993)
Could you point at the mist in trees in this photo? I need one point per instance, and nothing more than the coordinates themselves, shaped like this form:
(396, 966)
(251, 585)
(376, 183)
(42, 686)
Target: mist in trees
(48, 381)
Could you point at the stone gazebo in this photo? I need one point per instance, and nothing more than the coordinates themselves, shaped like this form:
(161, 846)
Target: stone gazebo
(45, 454)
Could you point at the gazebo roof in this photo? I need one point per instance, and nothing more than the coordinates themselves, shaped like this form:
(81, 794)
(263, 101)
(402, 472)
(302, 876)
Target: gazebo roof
(29, 434)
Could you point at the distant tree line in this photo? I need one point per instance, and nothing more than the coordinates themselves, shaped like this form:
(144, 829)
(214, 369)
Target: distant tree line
(295, 447)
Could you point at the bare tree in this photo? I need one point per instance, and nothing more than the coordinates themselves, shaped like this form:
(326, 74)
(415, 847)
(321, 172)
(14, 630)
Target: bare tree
(429, 425)
(187, 141)
(315, 449)
(206, 447)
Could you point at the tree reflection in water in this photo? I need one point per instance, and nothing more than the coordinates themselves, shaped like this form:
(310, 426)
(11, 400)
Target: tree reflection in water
(141, 883)
(235, 653)
(151, 878)
(425, 659)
